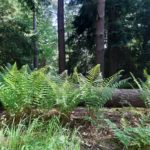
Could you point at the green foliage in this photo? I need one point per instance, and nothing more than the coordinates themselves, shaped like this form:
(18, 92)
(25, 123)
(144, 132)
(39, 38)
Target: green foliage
(144, 88)
(132, 137)
(38, 136)
(96, 91)
(47, 40)
(25, 89)
(16, 33)
(127, 33)
(16, 44)
(21, 89)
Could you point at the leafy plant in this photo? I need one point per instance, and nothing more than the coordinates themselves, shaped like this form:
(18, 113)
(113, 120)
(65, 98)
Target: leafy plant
(95, 90)
(21, 89)
(132, 137)
(24, 89)
(144, 88)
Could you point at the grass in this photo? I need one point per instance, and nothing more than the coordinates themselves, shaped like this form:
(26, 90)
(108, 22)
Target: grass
(38, 136)
(51, 135)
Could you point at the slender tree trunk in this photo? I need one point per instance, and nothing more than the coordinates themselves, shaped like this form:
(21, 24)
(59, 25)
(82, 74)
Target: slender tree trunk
(100, 34)
(35, 62)
(61, 36)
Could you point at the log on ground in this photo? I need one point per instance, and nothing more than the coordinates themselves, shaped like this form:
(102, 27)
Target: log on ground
(125, 98)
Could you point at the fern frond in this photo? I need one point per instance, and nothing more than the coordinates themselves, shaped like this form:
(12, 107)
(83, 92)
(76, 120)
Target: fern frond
(136, 81)
(94, 73)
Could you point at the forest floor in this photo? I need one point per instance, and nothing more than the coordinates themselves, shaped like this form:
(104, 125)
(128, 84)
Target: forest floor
(96, 134)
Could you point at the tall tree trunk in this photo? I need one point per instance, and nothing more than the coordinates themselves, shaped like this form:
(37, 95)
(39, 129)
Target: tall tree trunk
(61, 36)
(100, 34)
(35, 62)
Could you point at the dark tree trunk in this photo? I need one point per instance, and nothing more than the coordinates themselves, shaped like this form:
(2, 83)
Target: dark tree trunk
(111, 52)
(61, 36)
(35, 40)
(100, 34)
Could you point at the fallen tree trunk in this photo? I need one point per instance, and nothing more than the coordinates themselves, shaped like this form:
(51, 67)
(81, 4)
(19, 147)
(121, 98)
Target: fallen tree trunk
(126, 97)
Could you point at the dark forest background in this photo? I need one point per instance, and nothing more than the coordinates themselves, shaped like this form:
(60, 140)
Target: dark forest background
(28, 35)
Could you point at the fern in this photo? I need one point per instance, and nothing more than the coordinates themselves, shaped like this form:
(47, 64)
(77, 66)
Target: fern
(136, 138)
(23, 88)
(144, 88)
(136, 81)
(94, 90)
(94, 73)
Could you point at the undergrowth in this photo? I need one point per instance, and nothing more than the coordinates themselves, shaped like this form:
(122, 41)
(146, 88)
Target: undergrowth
(135, 138)
(23, 89)
(144, 88)
(38, 136)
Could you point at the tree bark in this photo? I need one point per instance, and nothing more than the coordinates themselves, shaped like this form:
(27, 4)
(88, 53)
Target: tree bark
(61, 36)
(35, 62)
(111, 51)
(126, 97)
(100, 34)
